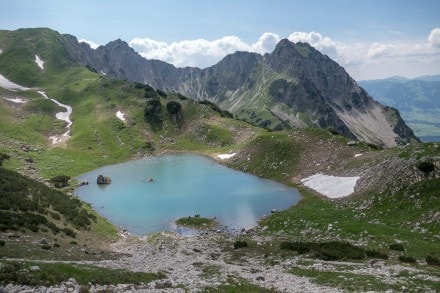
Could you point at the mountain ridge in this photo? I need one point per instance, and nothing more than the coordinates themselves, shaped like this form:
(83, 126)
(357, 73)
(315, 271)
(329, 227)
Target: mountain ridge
(294, 86)
(417, 99)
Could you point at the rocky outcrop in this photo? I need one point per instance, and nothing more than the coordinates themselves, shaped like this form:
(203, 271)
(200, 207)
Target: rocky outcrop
(397, 173)
(103, 180)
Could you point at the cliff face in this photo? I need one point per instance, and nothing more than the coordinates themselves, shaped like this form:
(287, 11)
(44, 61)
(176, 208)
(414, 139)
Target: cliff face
(294, 86)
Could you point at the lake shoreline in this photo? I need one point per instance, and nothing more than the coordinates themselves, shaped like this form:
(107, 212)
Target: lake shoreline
(200, 183)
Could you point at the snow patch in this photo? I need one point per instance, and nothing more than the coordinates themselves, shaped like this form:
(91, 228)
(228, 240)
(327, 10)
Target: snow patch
(16, 100)
(39, 62)
(331, 186)
(65, 116)
(120, 116)
(9, 85)
(357, 155)
(226, 156)
(1, 51)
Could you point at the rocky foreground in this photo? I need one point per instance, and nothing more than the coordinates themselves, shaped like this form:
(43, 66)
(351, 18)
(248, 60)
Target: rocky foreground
(207, 261)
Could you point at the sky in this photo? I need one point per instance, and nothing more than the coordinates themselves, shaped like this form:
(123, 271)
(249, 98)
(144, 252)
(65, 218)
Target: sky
(371, 39)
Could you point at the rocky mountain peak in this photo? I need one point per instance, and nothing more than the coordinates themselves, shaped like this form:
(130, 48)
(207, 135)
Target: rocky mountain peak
(294, 86)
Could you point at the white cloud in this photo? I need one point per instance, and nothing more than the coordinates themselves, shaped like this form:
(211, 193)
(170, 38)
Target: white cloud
(266, 43)
(200, 52)
(321, 43)
(90, 43)
(434, 38)
(361, 60)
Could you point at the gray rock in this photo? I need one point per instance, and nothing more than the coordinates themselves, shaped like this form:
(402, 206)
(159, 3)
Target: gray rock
(34, 268)
(102, 180)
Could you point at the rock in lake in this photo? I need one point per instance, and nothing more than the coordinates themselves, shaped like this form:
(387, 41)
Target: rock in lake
(103, 180)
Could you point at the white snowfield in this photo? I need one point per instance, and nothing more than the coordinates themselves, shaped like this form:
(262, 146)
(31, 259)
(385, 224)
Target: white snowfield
(120, 116)
(39, 62)
(331, 186)
(65, 116)
(226, 156)
(9, 85)
(16, 100)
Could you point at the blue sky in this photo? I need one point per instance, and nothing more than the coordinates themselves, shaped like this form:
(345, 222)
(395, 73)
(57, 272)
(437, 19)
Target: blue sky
(399, 36)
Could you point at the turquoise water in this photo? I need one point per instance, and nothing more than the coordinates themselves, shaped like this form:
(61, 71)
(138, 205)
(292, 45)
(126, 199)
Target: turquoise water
(184, 185)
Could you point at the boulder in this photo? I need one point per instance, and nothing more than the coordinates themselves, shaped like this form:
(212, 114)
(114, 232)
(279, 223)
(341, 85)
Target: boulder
(83, 182)
(103, 180)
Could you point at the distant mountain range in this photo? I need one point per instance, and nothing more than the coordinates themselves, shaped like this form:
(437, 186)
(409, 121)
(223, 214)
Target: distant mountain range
(417, 99)
(294, 86)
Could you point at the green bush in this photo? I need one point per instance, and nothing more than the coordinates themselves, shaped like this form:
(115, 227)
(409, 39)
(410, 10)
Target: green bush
(396, 247)
(46, 246)
(174, 109)
(149, 92)
(60, 181)
(333, 250)
(407, 259)
(2, 243)
(214, 107)
(55, 215)
(426, 167)
(432, 260)
(69, 232)
(372, 253)
(336, 250)
(300, 247)
(3, 157)
(153, 109)
(240, 244)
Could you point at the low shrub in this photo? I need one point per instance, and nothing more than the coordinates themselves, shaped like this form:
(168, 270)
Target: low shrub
(407, 259)
(240, 244)
(396, 247)
(69, 232)
(333, 250)
(426, 167)
(2, 243)
(336, 250)
(46, 246)
(300, 247)
(372, 253)
(55, 215)
(60, 181)
(432, 260)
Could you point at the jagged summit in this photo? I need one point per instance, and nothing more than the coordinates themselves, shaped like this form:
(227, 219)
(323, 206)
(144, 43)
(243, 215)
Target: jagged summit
(294, 86)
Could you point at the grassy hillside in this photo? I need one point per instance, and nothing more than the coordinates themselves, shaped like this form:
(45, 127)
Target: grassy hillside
(98, 136)
(17, 62)
(40, 222)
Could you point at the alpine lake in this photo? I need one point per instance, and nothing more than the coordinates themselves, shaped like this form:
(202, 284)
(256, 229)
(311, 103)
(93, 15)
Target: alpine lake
(148, 195)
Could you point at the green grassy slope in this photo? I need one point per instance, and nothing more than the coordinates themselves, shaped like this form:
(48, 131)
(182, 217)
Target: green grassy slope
(39, 222)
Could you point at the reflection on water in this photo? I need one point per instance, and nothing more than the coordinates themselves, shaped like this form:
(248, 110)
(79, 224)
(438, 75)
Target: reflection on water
(183, 185)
